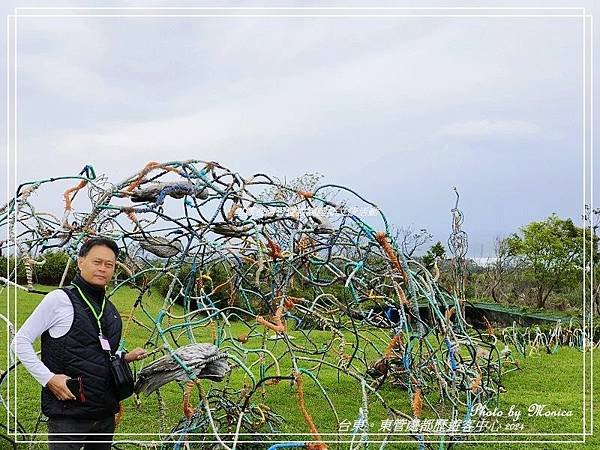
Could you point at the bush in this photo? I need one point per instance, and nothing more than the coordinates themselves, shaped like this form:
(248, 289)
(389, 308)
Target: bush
(52, 270)
(21, 274)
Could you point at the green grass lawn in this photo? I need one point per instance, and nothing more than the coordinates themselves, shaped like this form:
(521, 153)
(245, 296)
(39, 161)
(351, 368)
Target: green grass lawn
(554, 380)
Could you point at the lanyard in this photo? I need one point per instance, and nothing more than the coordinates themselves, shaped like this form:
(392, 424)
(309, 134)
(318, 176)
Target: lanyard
(96, 315)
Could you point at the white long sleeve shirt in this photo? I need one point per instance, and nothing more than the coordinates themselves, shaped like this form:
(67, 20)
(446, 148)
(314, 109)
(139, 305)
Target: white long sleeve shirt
(53, 314)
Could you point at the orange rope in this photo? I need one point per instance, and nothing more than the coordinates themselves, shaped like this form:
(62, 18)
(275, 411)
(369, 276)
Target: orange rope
(381, 237)
(290, 302)
(248, 259)
(119, 415)
(417, 403)
(305, 194)
(216, 289)
(475, 385)
(188, 410)
(276, 299)
(278, 325)
(319, 445)
(342, 355)
(148, 168)
(243, 338)
(488, 325)
(275, 250)
(402, 296)
(232, 211)
(396, 340)
(315, 446)
(303, 244)
(132, 216)
(68, 198)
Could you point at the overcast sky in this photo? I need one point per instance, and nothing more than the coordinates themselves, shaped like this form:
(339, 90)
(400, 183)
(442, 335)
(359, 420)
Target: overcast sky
(399, 109)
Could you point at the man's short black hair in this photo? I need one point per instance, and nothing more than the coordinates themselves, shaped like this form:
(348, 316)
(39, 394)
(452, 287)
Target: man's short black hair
(87, 245)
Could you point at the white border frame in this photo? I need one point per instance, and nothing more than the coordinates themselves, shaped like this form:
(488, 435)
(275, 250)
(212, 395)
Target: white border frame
(586, 49)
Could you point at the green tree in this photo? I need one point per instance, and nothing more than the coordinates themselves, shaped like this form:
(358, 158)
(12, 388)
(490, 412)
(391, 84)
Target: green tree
(591, 220)
(436, 252)
(12, 262)
(551, 252)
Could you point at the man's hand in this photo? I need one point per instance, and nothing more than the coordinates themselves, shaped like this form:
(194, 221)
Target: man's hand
(136, 354)
(58, 386)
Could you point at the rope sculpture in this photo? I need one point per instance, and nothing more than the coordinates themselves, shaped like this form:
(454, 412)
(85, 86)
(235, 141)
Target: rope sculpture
(530, 340)
(458, 246)
(314, 288)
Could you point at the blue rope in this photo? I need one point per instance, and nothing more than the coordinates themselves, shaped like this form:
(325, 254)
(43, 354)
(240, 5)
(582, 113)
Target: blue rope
(287, 445)
(450, 354)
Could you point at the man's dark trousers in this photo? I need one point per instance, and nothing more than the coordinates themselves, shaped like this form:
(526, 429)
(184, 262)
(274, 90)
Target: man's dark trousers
(85, 426)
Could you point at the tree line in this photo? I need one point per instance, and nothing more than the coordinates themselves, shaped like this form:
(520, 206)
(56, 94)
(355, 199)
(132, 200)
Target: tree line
(544, 265)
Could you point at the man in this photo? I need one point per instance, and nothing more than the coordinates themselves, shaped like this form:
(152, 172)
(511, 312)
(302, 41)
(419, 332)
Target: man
(74, 327)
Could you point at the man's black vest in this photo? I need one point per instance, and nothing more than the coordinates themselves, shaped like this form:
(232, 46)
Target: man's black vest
(78, 354)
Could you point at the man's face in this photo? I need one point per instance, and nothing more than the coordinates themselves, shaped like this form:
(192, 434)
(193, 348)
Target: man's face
(98, 266)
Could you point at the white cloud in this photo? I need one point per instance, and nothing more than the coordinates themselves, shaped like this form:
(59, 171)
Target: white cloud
(357, 101)
(316, 99)
(64, 79)
(215, 134)
(61, 58)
